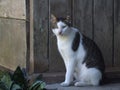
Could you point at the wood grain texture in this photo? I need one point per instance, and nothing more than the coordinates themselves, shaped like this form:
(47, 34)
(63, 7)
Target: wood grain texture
(60, 8)
(30, 39)
(82, 16)
(117, 33)
(41, 15)
(103, 28)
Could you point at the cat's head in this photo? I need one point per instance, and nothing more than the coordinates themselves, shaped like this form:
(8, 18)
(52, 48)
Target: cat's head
(60, 26)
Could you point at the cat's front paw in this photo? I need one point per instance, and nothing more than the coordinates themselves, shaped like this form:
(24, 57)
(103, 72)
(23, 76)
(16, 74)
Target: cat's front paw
(64, 84)
(80, 84)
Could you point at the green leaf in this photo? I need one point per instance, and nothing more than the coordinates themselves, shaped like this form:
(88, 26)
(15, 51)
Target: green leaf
(43, 85)
(7, 84)
(38, 85)
(16, 87)
(5, 76)
(3, 86)
(2, 73)
(19, 78)
(6, 80)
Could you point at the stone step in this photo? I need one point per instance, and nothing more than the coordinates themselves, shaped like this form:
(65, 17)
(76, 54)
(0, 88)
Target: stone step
(53, 77)
(49, 78)
(57, 77)
(114, 86)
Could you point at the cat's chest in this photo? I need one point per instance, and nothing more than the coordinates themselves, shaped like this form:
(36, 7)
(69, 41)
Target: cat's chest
(64, 48)
(64, 45)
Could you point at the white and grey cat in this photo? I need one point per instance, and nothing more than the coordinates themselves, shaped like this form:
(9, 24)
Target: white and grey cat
(82, 57)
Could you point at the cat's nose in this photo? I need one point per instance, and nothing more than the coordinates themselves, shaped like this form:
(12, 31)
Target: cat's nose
(60, 33)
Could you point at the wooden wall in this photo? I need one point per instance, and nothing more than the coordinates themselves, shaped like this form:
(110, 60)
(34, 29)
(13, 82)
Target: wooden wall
(13, 46)
(97, 19)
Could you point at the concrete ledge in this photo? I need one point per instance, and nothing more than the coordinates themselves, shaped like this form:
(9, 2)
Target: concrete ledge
(114, 86)
(51, 78)
(13, 9)
(12, 43)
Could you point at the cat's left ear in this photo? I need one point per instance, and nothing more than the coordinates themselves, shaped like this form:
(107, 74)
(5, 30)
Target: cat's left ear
(53, 19)
(68, 20)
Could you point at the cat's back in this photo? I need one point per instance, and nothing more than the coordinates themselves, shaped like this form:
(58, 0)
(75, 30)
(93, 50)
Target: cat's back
(93, 56)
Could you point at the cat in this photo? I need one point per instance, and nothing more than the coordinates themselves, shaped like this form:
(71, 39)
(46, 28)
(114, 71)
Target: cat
(82, 58)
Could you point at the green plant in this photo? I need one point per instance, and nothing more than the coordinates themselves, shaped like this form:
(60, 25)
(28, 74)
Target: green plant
(19, 80)
(38, 85)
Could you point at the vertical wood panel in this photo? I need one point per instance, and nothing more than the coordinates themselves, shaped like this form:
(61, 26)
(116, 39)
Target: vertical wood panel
(83, 16)
(117, 33)
(60, 8)
(30, 47)
(41, 15)
(103, 28)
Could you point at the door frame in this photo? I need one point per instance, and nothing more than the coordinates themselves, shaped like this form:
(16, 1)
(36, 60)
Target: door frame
(30, 37)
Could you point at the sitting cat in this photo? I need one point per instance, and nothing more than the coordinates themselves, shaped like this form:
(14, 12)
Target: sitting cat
(82, 57)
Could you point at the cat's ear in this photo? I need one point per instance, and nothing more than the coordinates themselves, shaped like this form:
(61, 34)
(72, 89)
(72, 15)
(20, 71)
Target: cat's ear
(68, 20)
(53, 19)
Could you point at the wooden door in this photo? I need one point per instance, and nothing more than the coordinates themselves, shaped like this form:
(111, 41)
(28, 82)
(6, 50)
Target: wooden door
(41, 27)
(97, 19)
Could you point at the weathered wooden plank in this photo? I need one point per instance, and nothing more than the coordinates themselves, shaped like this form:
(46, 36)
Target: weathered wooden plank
(41, 15)
(117, 33)
(13, 9)
(12, 43)
(30, 39)
(103, 28)
(82, 16)
(60, 8)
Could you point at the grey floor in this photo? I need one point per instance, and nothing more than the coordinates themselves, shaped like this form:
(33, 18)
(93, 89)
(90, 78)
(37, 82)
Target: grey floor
(115, 86)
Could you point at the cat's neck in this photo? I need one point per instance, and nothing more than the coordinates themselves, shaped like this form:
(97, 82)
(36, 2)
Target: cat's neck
(68, 35)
